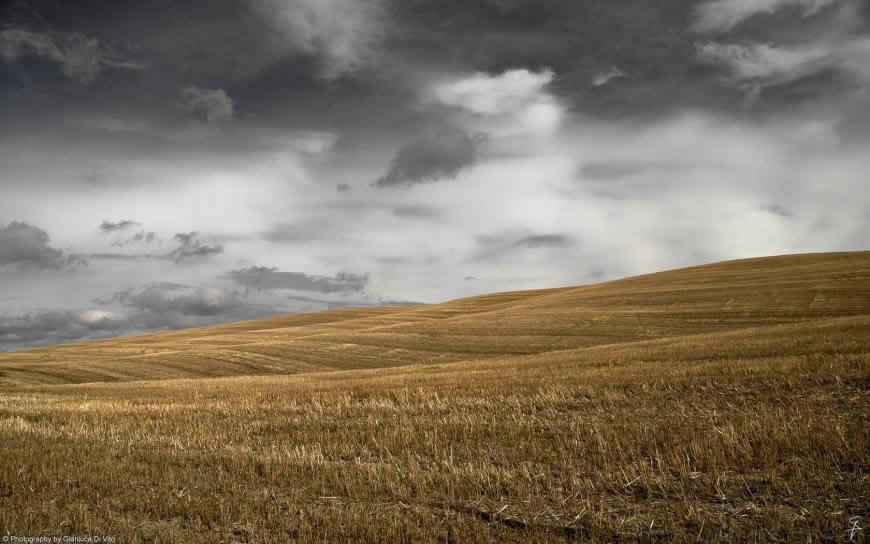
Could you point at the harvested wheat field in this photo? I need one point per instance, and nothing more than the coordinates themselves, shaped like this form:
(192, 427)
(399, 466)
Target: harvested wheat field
(720, 403)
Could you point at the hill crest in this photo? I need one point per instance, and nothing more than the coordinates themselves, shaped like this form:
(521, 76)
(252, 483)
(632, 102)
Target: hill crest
(697, 300)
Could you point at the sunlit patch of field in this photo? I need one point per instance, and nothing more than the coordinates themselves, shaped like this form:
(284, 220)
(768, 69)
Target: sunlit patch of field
(724, 403)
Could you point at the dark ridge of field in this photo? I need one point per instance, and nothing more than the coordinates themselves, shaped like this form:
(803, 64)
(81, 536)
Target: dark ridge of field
(723, 403)
(696, 300)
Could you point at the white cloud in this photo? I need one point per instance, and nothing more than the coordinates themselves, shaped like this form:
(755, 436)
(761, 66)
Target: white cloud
(514, 102)
(722, 15)
(495, 95)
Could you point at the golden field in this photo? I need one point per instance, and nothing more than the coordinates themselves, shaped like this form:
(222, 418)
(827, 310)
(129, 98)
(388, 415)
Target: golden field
(721, 403)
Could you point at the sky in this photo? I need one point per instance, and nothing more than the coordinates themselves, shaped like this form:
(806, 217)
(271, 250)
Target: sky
(171, 164)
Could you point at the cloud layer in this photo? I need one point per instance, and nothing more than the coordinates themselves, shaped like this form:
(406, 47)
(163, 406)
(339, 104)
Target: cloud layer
(341, 143)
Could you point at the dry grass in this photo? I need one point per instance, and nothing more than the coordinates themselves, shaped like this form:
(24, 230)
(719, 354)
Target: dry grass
(730, 404)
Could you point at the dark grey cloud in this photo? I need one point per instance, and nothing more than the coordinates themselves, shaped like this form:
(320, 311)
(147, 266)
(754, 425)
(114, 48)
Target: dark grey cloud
(125, 224)
(360, 64)
(172, 299)
(79, 57)
(343, 188)
(27, 248)
(210, 105)
(436, 155)
(787, 62)
(579, 41)
(263, 278)
(752, 68)
(198, 39)
(635, 58)
(813, 88)
(191, 247)
(41, 328)
(271, 56)
(159, 306)
(495, 247)
(174, 305)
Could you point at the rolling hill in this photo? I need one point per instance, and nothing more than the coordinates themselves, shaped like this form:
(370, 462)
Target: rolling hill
(705, 299)
(720, 403)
